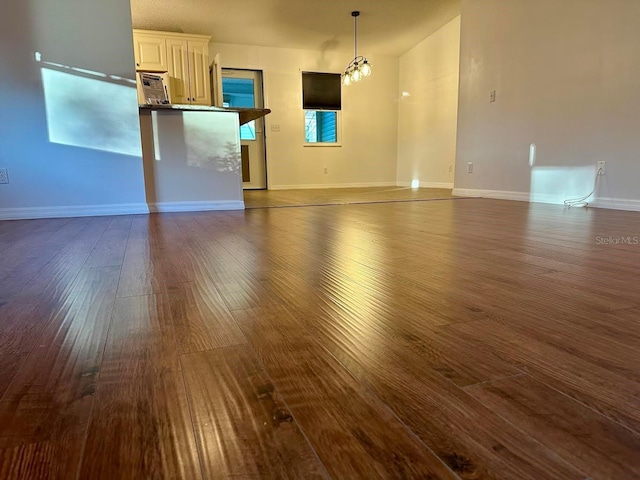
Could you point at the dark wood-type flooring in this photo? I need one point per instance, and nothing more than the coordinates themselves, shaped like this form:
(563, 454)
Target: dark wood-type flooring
(455, 339)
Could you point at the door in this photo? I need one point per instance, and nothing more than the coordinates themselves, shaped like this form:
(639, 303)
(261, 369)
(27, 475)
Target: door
(178, 70)
(243, 89)
(199, 72)
(150, 52)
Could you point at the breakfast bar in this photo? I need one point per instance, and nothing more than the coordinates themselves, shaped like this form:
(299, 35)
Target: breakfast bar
(191, 156)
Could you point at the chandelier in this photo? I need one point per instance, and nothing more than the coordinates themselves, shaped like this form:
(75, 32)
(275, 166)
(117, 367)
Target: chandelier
(359, 66)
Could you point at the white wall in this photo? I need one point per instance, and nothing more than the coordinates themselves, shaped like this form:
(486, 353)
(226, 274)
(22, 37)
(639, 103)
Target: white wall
(191, 160)
(427, 119)
(369, 118)
(70, 138)
(567, 77)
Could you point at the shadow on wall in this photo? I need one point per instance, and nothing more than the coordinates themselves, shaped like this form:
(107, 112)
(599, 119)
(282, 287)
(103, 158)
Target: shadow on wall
(61, 141)
(191, 156)
(324, 64)
(211, 141)
(90, 109)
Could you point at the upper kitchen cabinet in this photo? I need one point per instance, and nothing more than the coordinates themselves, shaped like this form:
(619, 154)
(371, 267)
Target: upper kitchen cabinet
(189, 70)
(178, 53)
(186, 59)
(150, 51)
(200, 79)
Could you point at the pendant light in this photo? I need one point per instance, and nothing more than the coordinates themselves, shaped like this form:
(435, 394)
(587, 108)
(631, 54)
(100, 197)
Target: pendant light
(359, 66)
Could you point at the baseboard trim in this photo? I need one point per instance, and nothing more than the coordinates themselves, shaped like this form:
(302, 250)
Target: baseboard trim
(508, 195)
(27, 213)
(165, 207)
(443, 185)
(331, 185)
(604, 202)
(616, 204)
(497, 194)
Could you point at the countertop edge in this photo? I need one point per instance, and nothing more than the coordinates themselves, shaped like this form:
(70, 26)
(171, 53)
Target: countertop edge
(187, 108)
(245, 115)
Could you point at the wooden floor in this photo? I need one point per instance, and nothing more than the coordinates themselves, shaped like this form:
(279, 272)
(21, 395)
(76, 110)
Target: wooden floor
(468, 339)
(340, 196)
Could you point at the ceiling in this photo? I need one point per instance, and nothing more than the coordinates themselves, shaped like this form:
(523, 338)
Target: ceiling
(385, 27)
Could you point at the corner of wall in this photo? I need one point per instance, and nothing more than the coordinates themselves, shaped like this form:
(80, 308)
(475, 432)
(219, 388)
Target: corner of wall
(427, 109)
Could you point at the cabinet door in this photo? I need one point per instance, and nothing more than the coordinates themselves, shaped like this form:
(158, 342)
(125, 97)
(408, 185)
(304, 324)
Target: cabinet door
(150, 52)
(199, 72)
(179, 70)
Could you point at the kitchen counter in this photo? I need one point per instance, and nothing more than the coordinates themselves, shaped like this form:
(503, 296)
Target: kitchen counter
(245, 115)
(192, 157)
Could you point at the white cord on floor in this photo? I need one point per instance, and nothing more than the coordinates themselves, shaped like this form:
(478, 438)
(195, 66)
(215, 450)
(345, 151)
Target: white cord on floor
(582, 201)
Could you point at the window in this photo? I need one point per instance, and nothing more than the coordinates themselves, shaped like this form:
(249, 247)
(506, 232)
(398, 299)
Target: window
(321, 101)
(239, 92)
(321, 126)
(321, 91)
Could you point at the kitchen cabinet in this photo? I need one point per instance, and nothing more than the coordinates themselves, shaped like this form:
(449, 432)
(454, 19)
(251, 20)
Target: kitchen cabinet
(150, 51)
(187, 62)
(199, 72)
(177, 50)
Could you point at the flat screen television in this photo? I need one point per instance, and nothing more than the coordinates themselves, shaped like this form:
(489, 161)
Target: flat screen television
(321, 91)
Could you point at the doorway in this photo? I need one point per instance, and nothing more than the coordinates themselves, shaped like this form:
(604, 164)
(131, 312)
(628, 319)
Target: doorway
(243, 89)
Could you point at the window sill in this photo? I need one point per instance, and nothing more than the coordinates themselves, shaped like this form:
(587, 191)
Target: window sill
(322, 144)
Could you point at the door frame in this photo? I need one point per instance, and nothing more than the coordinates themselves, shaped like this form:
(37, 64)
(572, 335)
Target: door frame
(264, 129)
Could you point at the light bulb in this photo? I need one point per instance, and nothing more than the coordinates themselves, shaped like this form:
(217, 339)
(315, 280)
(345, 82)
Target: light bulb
(356, 75)
(366, 69)
(346, 79)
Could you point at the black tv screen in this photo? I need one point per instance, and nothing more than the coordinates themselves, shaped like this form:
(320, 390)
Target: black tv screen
(321, 91)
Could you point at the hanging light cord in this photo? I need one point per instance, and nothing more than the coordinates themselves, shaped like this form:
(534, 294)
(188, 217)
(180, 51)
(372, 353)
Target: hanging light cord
(355, 34)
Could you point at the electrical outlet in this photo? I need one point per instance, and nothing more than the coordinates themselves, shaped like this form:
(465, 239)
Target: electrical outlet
(602, 168)
(4, 177)
(470, 167)
(326, 170)
(275, 128)
(492, 96)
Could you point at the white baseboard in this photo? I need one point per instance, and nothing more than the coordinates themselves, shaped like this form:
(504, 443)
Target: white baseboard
(508, 195)
(444, 185)
(497, 194)
(616, 204)
(73, 211)
(196, 206)
(612, 203)
(331, 185)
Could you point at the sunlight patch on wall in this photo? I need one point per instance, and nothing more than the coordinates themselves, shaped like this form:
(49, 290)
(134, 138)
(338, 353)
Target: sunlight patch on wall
(212, 141)
(557, 184)
(91, 110)
(156, 136)
(532, 155)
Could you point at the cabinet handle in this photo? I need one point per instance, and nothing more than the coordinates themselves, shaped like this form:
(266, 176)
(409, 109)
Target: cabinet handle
(137, 64)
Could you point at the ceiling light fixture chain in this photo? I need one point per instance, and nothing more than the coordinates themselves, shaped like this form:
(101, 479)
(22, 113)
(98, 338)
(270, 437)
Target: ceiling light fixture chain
(359, 67)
